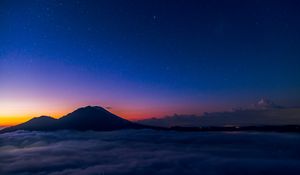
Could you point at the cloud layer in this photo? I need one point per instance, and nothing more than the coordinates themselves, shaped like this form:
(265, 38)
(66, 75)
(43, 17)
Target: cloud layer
(148, 152)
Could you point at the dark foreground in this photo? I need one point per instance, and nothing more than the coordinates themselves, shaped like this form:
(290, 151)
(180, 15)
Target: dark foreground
(149, 152)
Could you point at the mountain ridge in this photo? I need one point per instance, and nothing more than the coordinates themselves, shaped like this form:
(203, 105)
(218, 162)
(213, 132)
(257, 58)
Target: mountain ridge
(250, 117)
(82, 119)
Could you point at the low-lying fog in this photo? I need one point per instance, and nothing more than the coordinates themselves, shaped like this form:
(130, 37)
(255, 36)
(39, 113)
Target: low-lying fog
(148, 152)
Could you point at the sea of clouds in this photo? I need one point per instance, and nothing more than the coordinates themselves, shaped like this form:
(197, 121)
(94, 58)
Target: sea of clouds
(148, 152)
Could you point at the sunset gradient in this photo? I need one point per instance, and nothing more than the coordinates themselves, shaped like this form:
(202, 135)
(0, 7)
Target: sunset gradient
(142, 60)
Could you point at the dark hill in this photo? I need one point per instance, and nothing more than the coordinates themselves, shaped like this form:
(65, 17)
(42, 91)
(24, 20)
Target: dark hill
(86, 118)
(43, 123)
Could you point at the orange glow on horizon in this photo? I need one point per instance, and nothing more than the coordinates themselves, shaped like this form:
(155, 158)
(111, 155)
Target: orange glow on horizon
(13, 112)
(19, 111)
(6, 121)
(12, 120)
(17, 118)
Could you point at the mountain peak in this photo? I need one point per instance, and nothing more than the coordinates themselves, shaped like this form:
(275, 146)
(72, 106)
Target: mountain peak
(89, 112)
(43, 117)
(91, 108)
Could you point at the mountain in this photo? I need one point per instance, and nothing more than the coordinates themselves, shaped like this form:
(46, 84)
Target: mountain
(86, 118)
(94, 118)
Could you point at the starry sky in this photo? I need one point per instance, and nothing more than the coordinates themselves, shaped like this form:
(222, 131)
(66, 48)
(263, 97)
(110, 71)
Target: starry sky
(147, 58)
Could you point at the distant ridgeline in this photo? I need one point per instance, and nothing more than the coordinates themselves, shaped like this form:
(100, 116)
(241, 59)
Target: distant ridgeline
(86, 118)
(264, 112)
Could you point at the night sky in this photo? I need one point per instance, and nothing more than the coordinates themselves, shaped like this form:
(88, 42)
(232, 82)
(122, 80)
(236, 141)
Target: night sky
(146, 58)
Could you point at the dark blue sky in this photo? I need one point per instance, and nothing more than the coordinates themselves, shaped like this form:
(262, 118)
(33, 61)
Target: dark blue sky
(148, 58)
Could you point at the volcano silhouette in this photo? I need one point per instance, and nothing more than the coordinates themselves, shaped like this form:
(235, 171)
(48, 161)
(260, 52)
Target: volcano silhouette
(87, 118)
